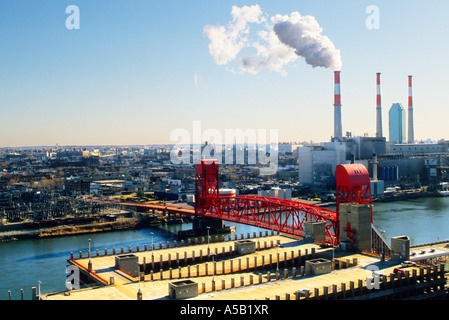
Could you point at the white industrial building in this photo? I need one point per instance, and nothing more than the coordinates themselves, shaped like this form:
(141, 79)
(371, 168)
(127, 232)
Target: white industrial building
(278, 193)
(418, 148)
(318, 162)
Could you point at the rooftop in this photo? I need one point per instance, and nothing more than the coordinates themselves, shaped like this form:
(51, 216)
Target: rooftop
(249, 282)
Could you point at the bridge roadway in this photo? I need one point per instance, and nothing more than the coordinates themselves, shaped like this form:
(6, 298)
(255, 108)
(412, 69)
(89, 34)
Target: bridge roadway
(126, 287)
(180, 208)
(290, 225)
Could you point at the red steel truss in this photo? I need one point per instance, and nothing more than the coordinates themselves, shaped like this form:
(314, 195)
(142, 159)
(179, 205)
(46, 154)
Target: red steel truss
(353, 185)
(277, 214)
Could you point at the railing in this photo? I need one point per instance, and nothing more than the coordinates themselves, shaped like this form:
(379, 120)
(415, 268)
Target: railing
(92, 274)
(378, 242)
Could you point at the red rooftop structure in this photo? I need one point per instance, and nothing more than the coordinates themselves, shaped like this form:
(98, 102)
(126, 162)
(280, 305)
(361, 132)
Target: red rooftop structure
(353, 185)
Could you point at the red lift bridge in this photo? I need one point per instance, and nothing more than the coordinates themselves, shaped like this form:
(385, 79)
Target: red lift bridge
(353, 185)
(287, 216)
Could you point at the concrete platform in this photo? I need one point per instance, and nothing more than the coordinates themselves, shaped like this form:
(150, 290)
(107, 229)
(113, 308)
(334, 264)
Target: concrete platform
(243, 282)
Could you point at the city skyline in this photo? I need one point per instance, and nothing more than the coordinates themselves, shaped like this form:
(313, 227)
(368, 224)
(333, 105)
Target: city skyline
(135, 72)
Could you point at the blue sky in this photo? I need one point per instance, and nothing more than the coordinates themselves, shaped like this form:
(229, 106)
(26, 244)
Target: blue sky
(136, 71)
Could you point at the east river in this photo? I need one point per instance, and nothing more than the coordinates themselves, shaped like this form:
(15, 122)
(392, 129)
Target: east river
(42, 263)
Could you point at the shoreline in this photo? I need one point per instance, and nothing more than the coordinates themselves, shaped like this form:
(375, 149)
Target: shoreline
(136, 223)
(407, 195)
(401, 196)
(68, 230)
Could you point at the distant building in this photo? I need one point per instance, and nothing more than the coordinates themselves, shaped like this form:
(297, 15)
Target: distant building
(77, 186)
(364, 147)
(285, 148)
(396, 117)
(317, 163)
(276, 193)
(408, 149)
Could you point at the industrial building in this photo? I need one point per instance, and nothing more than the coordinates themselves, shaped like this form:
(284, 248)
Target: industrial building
(317, 163)
(76, 186)
(276, 192)
(408, 149)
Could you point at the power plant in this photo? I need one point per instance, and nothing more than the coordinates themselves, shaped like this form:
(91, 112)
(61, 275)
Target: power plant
(379, 132)
(318, 161)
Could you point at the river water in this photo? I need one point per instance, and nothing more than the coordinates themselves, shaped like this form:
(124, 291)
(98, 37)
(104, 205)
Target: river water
(41, 263)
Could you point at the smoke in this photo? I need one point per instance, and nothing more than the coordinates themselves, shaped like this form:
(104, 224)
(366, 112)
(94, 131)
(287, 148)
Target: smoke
(270, 43)
(303, 33)
(226, 43)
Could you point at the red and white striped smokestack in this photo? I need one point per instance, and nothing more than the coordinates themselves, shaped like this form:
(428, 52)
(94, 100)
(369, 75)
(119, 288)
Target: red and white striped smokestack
(337, 96)
(410, 99)
(337, 106)
(378, 109)
(411, 133)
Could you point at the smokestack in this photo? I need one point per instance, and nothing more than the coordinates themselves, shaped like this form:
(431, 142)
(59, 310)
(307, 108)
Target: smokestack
(378, 109)
(411, 134)
(337, 106)
(375, 166)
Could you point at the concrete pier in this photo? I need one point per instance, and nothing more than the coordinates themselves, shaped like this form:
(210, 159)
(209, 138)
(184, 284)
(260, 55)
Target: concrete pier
(276, 269)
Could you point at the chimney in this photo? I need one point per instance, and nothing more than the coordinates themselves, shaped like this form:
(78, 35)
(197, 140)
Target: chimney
(378, 109)
(411, 134)
(375, 166)
(337, 106)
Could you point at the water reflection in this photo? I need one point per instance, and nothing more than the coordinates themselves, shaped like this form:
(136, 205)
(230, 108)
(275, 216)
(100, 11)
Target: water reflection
(423, 220)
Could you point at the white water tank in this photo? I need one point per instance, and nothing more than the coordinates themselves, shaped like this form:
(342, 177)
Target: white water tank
(227, 192)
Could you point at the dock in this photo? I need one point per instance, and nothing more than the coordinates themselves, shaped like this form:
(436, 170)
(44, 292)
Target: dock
(273, 267)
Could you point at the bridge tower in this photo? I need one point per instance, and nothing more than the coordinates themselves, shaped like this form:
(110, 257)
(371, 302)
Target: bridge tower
(354, 205)
(206, 185)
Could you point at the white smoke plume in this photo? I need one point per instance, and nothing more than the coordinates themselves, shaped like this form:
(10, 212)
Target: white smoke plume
(226, 43)
(303, 33)
(276, 41)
